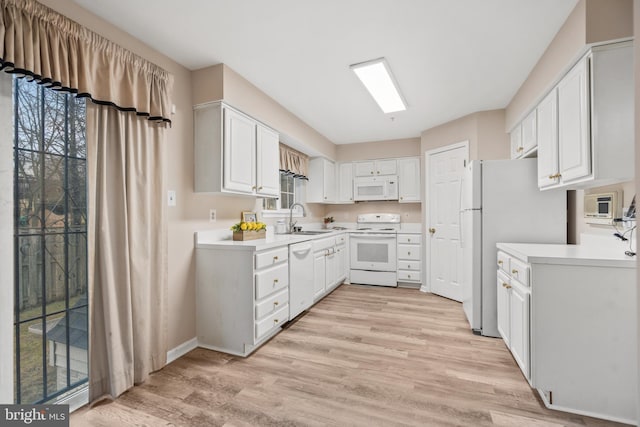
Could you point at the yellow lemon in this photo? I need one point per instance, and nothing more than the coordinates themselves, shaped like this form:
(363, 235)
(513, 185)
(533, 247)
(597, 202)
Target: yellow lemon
(243, 226)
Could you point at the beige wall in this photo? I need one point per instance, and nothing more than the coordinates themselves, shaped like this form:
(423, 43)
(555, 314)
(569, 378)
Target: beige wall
(484, 131)
(378, 150)
(591, 21)
(409, 212)
(221, 82)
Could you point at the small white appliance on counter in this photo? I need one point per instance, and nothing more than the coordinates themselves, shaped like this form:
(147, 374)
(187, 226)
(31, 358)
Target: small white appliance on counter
(501, 202)
(373, 250)
(370, 188)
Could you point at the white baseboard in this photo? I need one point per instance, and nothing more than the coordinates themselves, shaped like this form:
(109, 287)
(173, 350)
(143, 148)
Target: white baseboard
(181, 350)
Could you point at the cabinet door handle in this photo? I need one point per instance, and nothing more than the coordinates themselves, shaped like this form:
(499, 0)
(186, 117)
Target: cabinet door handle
(275, 320)
(409, 276)
(408, 253)
(275, 281)
(499, 262)
(408, 240)
(378, 172)
(506, 285)
(432, 230)
(260, 188)
(275, 258)
(520, 149)
(371, 172)
(514, 271)
(253, 188)
(275, 303)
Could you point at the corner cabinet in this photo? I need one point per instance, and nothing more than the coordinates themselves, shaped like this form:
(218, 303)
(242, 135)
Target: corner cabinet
(586, 125)
(234, 153)
(344, 179)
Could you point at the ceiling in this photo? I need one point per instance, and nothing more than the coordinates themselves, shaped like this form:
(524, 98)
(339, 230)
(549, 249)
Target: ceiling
(450, 57)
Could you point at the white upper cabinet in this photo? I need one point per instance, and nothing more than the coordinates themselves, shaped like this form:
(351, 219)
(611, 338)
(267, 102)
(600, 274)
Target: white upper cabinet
(239, 152)
(592, 109)
(345, 182)
(529, 140)
(321, 187)
(573, 123)
(267, 157)
(547, 131)
(409, 179)
(516, 141)
(376, 167)
(234, 153)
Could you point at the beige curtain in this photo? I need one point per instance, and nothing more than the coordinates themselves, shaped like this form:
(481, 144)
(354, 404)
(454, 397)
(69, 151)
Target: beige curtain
(41, 43)
(293, 161)
(127, 249)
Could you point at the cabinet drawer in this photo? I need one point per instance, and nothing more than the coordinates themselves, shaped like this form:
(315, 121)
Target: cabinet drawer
(520, 271)
(409, 238)
(325, 243)
(341, 239)
(269, 323)
(272, 304)
(503, 262)
(408, 276)
(272, 280)
(409, 252)
(409, 265)
(271, 257)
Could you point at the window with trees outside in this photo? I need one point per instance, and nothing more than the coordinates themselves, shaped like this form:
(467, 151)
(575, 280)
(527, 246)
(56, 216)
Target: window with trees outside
(50, 243)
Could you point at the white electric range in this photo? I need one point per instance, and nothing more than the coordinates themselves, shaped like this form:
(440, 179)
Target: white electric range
(373, 250)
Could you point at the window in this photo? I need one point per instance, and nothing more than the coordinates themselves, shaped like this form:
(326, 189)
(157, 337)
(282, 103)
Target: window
(291, 191)
(50, 243)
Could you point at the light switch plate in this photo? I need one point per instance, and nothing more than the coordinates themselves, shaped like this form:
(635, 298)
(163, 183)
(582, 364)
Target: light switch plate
(171, 198)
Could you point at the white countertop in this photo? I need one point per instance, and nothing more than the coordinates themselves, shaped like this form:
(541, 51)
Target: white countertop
(213, 240)
(591, 255)
(221, 239)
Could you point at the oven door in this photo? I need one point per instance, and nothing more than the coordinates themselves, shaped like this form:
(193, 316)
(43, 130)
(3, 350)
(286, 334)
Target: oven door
(375, 252)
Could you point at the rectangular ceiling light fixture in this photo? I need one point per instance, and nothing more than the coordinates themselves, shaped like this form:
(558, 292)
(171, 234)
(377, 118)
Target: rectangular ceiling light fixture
(377, 78)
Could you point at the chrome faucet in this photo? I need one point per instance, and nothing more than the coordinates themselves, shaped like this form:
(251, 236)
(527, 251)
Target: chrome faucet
(291, 222)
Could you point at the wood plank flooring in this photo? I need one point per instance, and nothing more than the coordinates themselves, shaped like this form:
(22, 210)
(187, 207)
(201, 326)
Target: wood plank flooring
(363, 356)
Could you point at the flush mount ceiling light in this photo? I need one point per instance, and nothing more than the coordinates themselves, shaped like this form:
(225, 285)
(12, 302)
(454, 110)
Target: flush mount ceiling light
(376, 76)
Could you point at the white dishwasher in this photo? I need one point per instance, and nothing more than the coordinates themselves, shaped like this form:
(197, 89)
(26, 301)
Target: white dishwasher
(300, 278)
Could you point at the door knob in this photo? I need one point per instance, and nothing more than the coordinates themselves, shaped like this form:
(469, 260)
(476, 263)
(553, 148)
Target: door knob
(432, 230)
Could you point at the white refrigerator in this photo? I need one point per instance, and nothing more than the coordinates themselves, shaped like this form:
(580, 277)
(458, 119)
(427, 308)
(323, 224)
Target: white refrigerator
(501, 202)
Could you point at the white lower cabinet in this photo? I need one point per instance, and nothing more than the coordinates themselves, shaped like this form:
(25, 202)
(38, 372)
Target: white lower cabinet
(242, 297)
(569, 324)
(409, 252)
(329, 264)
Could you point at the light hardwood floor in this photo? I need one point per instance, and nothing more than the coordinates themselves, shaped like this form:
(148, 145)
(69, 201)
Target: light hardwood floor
(364, 356)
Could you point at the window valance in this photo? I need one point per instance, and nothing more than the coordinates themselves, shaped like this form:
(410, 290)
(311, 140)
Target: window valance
(293, 162)
(38, 42)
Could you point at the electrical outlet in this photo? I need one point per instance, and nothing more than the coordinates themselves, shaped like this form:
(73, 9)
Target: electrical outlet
(171, 198)
(212, 215)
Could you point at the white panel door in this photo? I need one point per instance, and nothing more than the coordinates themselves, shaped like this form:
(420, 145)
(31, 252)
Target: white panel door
(329, 181)
(446, 169)
(516, 142)
(268, 161)
(239, 152)
(547, 131)
(529, 139)
(574, 137)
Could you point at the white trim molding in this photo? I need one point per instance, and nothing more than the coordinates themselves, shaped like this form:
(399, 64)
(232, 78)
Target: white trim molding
(181, 350)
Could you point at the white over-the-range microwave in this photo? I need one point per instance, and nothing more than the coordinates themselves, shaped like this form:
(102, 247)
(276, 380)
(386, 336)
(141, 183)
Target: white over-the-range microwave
(375, 188)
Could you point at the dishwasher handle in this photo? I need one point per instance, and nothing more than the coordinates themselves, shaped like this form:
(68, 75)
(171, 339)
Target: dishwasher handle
(301, 250)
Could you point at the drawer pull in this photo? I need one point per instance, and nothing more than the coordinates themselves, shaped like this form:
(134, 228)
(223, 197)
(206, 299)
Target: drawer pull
(514, 271)
(275, 281)
(409, 266)
(260, 188)
(409, 276)
(504, 285)
(408, 240)
(508, 286)
(409, 253)
(499, 262)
